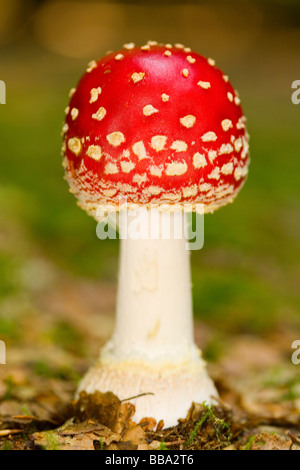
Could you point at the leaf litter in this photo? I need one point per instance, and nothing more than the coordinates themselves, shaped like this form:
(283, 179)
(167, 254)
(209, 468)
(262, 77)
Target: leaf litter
(259, 389)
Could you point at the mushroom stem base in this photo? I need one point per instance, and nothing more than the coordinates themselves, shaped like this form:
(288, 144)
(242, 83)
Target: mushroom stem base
(169, 391)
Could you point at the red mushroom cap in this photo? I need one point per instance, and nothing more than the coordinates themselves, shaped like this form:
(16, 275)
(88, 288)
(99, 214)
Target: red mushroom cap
(156, 125)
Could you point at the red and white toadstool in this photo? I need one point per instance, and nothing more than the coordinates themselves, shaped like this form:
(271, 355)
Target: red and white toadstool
(154, 125)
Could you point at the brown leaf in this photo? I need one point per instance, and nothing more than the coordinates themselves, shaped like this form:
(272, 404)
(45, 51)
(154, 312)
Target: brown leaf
(148, 424)
(51, 440)
(101, 407)
(76, 436)
(123, 420)
(265, 441)
(160, 425)
(136, 435)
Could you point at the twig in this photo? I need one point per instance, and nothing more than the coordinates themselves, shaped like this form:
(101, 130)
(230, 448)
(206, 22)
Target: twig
(137, 396)
(7, 432)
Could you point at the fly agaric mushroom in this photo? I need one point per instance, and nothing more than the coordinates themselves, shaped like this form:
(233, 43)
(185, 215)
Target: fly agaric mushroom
(158, 125)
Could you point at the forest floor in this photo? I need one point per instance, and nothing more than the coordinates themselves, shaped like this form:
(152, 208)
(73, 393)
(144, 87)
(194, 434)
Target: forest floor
(259, 386)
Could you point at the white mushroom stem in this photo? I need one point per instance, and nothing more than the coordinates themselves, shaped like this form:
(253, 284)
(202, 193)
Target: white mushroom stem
(152, 348)
(154, 305)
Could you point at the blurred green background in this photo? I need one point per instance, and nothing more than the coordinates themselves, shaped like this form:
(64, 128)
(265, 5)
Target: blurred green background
(247, 276)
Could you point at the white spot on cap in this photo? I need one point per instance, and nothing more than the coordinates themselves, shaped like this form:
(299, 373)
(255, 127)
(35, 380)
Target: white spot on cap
(95, 152)
(238, 173)
(109, 192)
(65, 128)
(165, 97)
(176, 168)
(129, 45)
(227, 169)
(204, 187)
(226, 124)
(91, 66)
(226, 78)
(245, 148)
(71, 92)
(205, 85)
(188, 121)
(139, 150)
(156, 170)
(179, 146)
(215, 174)
(67, 109)
(190, 191)
(95, 92)
(149, 109)
(158, 142)
(199, 160)
(211, 62)
(171, 196)
(179, 46)
(221, 188)
(115, 138)
(74, 113)
(167, 53)
(185, 73)
(146, 47)
(100, 114)
(212, 155)
(209, 137)
(187, 49)
(65, 163)
(126, 153)
(155, 190)
(111, 169)
(126, 188)
(137, 76)
(237, 100)
(139, 179)
(191, 59)
(168, 46)
(238, 144)
(227, 190)
(230, 96)
(74, 145)
(119, 57)
(241, 123)
(225, 148)
(152, 43)
(127, 166)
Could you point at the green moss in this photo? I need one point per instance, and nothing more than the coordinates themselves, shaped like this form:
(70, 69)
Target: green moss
(162, 446)
(249, 443)
(7, 445)
(220, 426)
(52, 441)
